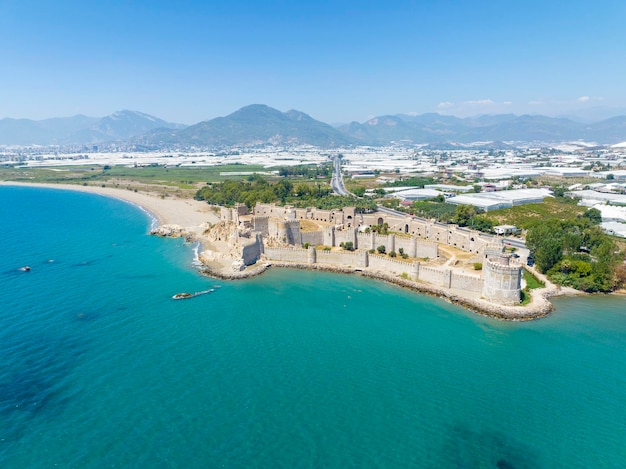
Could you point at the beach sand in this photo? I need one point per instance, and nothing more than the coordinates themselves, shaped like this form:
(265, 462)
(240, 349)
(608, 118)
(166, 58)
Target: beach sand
(188, 213)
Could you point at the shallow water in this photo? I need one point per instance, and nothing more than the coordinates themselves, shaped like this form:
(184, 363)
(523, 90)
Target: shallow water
(101, 368)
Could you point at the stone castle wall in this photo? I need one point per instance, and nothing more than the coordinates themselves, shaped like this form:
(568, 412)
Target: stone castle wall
(314, 238)
(251, 251)
(286, 254)
(435, 276)
(499, 283)
(343, 258)
(387, 264)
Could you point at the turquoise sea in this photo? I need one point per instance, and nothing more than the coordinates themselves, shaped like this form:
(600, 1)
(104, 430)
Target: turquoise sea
(99, 367)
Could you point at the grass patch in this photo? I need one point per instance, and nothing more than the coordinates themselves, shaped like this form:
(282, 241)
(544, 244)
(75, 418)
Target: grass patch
(532, 281)
(181, 178)
(524, 216)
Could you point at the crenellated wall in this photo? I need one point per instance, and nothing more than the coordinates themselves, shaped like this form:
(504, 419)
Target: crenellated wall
(314, 238)
(388, 264)
(261, 224)
(500, 284)
(466, 283)
(434, 275)
(356, 259)
(287, 254)
(287, 231)
(500, 281)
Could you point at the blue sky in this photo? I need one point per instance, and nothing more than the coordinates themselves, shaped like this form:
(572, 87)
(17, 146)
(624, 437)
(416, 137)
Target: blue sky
(187, 61)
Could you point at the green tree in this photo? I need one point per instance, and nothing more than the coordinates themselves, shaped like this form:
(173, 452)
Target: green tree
(302, 190)
(545, 243)
(463, 214)
(594, 216)
(358, 191)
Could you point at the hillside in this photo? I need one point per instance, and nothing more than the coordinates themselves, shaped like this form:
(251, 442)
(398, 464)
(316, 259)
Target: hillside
(256, 124)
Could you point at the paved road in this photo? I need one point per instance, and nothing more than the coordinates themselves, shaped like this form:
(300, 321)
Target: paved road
(516, 243)
(336, 182)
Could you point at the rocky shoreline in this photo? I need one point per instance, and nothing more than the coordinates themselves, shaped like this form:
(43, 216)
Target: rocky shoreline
(539, 307)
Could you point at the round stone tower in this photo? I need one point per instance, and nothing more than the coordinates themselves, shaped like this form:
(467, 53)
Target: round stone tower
(502, 280)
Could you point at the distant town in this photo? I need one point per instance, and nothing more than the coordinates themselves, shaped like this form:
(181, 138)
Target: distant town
(487, 179)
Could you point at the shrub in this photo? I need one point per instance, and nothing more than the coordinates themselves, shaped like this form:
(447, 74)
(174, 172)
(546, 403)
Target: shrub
(478, 266)
(306, 245)
(381, 249)
(392, 254)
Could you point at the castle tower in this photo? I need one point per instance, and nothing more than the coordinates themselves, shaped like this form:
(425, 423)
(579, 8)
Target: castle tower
(502, 280)
(311, 255)
(329, 236)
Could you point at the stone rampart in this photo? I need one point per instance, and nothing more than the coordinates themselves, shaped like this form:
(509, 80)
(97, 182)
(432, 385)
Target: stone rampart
(287, 254)
(343, 258)
(260, 223)
(346, 236)
(426, 249)
(466, 282)
(364, 240)
(434, 275)
(387, 264)
(314, 238)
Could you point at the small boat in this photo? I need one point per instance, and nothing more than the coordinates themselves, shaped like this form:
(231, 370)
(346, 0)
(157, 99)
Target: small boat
(24, 269)
(185, 295)
(182, 296)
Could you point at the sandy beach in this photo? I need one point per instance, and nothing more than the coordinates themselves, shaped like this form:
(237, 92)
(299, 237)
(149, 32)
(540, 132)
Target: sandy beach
(188, 213)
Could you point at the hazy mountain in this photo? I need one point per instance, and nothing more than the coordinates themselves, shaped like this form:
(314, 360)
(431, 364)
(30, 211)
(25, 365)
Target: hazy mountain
(261, 125)
(612, 130)
(43, 132)
(435, 128)
(595, 113)
(79, 129)
(256, 124)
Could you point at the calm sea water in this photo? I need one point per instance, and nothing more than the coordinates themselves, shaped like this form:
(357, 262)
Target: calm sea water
(99, 367)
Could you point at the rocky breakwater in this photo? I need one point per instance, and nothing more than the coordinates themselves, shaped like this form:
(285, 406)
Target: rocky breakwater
(172, 231)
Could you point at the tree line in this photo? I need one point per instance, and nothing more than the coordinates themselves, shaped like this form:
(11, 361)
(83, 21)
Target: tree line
(257, 189)
(577, 253)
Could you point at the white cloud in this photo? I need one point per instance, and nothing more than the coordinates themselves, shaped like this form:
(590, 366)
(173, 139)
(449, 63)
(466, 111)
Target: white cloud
(583, 99)
(535, 102)
(507, 103)
(479, 102)
(445, 105)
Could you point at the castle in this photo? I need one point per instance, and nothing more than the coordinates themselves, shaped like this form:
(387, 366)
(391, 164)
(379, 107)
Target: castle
(275, 233)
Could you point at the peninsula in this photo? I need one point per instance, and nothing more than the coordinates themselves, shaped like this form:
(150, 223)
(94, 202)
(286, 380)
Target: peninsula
(418, 254)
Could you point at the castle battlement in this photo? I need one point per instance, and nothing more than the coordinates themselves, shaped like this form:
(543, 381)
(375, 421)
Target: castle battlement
(392, 260)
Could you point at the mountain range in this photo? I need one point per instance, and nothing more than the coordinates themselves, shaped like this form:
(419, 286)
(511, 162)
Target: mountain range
(79, 129)
(259, 124)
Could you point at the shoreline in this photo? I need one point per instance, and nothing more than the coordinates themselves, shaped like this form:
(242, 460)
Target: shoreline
(538, 308)
(190, 214)
(193, 216)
